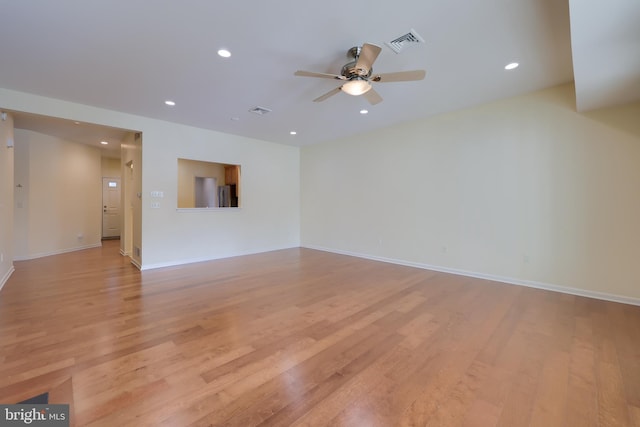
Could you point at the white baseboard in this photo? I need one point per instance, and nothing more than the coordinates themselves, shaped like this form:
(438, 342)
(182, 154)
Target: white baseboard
(62, 251)
(203, 259)
(509, 280)
(135, 263)
(5, 278)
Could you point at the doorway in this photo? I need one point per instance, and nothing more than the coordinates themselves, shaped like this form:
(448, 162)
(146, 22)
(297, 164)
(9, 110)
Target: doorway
(111, 212)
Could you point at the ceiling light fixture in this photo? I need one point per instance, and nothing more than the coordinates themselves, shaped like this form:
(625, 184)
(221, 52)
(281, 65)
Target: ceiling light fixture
(224, 53)
(511, 66)
(170, 103)
(356, 86)
(104, 143)
(293, 132)
(364, 111)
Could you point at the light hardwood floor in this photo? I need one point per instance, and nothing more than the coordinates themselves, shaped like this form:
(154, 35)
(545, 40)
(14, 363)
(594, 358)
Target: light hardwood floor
(301, 337)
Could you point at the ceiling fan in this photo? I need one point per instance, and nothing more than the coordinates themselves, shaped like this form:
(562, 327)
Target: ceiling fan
(358, 75)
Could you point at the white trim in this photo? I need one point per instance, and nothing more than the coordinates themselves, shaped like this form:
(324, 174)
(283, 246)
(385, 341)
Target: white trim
(63, 251)
(204, 259)
(6, 277)
(509, 280)
(135, 263)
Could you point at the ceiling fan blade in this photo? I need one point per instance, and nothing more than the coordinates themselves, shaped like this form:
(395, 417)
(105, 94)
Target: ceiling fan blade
(372, 96)
(368, 54)
(400, 76)
(322, 75)
(328, 94)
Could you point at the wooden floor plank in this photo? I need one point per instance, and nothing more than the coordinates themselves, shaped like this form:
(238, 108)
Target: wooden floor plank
(550, 401)
(582, 398)
(304, 337)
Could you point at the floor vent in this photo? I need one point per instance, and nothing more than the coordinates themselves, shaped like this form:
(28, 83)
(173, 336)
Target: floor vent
(261, 111)
(397, 45)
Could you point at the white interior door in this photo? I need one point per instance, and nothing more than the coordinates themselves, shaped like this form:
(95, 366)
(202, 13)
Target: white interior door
(110, 207)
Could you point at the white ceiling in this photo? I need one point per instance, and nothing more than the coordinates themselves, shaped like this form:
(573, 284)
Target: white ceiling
(132, 55)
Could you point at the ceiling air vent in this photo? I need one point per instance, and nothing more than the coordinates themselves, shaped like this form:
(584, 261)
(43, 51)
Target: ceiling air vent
(401, 42)
(261, 111)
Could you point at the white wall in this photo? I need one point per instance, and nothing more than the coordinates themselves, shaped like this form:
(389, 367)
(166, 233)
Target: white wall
(522, 190)
(269, 217)
(270, 214)
(110, 167)
(59, 196)
(6, 199)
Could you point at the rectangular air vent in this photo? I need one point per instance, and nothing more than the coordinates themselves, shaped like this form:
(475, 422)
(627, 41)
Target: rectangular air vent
(261, 111)
(397, 45)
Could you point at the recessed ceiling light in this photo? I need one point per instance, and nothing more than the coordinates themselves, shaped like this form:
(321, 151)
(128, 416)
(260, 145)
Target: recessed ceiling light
(104, 143)
(224, 53)
(293, 132)
(170, 103)
(511, 66)
(364, 111)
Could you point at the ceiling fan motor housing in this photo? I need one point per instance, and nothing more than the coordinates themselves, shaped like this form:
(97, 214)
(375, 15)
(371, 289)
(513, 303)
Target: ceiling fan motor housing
(350, 71)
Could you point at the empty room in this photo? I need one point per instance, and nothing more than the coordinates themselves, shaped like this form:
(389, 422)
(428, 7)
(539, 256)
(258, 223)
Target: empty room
(341, 214)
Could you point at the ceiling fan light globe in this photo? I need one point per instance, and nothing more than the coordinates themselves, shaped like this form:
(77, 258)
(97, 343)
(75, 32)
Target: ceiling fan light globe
(356, 87)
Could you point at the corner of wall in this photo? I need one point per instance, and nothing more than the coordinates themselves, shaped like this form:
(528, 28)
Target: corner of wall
(6, 197)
